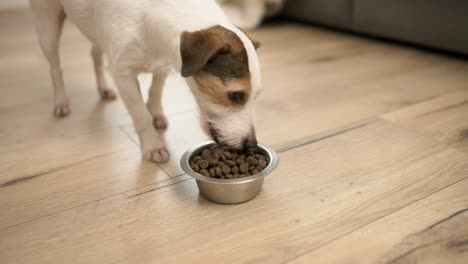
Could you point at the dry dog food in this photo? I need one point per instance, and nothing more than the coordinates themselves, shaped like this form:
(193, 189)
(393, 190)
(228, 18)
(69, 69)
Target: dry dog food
(224, 163)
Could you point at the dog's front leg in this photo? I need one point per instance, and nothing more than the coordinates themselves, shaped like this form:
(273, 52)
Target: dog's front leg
(151, 144)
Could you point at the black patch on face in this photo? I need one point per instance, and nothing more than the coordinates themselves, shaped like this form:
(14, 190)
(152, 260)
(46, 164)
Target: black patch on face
(227, 65)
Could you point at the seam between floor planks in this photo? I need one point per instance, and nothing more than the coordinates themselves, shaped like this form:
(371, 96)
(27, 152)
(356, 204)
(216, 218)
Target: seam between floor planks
(26, 178)
(367, 224)
(318, 139)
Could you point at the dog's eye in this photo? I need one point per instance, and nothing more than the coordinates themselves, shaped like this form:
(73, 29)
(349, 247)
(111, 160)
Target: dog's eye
(236, 96)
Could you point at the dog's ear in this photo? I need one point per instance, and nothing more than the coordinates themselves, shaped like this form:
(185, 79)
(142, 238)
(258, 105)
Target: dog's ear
(196, 48)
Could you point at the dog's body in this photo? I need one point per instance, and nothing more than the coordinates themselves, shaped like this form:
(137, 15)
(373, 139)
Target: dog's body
(193, 37)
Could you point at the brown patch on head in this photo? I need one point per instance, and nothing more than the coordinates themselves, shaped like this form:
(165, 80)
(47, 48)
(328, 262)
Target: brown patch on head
(218, 62)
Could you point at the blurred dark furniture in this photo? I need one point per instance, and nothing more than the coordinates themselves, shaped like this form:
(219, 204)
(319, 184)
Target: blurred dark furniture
(432, 23)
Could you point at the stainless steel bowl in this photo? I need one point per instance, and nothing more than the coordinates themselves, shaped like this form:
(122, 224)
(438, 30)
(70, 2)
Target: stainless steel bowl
(228, 191)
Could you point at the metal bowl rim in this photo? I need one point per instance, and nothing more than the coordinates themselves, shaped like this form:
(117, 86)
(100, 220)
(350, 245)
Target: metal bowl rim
(185, 164)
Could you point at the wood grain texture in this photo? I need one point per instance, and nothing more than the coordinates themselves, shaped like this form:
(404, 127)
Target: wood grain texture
(432, 230)
(81, 182)
(444, 118)
(27, 159)
(319, 192)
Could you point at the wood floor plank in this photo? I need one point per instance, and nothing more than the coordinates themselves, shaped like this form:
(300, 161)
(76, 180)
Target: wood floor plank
(432, 230)
(28, 160)
(77, 184)
(444, 118)
(319, 192)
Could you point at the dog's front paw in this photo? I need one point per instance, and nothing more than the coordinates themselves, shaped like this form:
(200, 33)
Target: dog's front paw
(160, 121)
(61, 109)
(158, 155)
(107, 94)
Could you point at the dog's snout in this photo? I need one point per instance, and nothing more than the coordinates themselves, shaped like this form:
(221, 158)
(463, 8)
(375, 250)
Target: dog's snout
(250, 142)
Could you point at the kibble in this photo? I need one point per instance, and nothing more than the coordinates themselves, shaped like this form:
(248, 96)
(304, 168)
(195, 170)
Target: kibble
(213, 162)
(219, 172)
(206, 154)
(203, 164)
(223, 163)
(244, 167)
(205, 172)
(212, 172)
(226, 169)
(252, 160)
(262, 163)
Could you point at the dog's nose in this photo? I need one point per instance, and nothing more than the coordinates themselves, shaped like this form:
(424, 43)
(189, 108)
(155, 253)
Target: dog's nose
(250, 142)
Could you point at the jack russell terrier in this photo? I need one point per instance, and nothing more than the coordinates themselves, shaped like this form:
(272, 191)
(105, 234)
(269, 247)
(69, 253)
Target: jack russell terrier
(193, 37)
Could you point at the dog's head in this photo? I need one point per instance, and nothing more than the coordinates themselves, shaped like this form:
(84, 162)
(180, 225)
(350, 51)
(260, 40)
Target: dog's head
(222, 70)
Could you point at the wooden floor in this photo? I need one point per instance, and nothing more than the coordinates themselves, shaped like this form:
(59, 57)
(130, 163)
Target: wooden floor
(372, 139)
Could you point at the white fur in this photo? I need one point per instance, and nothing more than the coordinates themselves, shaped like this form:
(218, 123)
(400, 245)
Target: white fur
(139, 36)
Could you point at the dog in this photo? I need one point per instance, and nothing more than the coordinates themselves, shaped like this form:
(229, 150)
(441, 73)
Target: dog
(192, 37)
